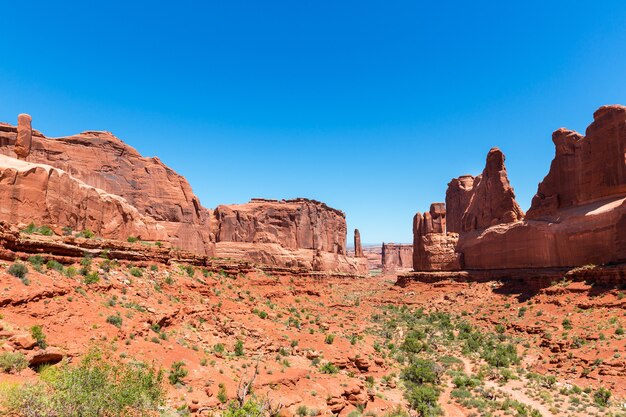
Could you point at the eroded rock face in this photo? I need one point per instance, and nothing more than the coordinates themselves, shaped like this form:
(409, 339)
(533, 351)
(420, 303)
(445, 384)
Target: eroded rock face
(294, 224)
(45, 195)
(434, 249)
(483, 201)
(585, 168)
(24, 136)
(103, 161)
(397, 257)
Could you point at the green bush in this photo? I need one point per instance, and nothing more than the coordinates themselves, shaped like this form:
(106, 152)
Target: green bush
(328, 368)
(424, 400)
(18, 270)
(239, 348)
(37, 333)
(12, 362)
(57, 266)
(136, 272)
(177, 373)
(421, 371)
(602, 396)
(132, 239)
(219, 348)
(330, 338)
(93, 388)
(87, 234)
(42, 230)
(91, 278)
(115, 320)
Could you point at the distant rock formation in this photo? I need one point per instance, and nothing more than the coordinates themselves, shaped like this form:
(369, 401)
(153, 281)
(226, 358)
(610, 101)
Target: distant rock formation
(577, 217)
(397, 257)
(358, 249)
(24, 139)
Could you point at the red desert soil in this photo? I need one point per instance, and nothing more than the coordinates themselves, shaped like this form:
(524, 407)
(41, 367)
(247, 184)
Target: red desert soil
(175, 313)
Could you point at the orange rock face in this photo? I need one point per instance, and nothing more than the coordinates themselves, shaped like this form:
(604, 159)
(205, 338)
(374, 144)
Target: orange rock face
(358, 249)
(103, 161)
(397, 257)
(48, 196)
(578, 216)
(24, 136)
(585, 168)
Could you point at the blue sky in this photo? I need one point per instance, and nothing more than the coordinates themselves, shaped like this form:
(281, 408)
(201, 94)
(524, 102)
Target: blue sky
(371, 107)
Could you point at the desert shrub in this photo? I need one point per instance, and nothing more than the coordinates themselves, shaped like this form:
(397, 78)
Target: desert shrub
(239, 348)
(328, 368)
(136, 272)
(19, 270)
(93, 388)
(67, 231)
(87, 234)
(567, 324)
(41, 230)
(12, 362)
(330, 338)
(602, 396)
(500, 355)
(52, 264)
(91, 278)
(221, 393)
(424, 400)
(36, 261)
(302, 411)
(70, 272)
(132, 239)
(219, 348)
(421, 371)
(37, 333)
(115, 320)
(177, 373)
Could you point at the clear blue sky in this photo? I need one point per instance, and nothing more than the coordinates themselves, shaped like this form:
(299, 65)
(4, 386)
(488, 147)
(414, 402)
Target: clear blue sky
(368, 106)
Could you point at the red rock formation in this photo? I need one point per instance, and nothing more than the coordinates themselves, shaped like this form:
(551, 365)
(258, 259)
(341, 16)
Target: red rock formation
(433, 248)
(358, 249)
(585, 168)
(24, 136)
(485, 200)
(458, 196)
(294, 224)
(578, 216)
(397, 257)
(103, 161)
(48, 196)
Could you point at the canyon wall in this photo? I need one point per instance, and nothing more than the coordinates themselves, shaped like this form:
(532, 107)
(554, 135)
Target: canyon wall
(577, 217)
(397, 257)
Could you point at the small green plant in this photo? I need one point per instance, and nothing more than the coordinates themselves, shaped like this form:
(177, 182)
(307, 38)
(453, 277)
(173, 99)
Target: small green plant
(132, 239)
(567, 324)
(330, 338)
(221, 394)
(37, 333)
(54, 265)
(19, 270)
(67, 231)
(136, 272)
(219, 348)
(87, 234)
(239, 347)
(328, 368)
(12, 362)
(602, 396)
(115, 320)
(91, 278)
(177, 373)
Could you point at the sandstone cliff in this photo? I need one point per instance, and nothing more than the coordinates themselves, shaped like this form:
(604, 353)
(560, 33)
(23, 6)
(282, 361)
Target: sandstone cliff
(578, 216)
(48, 196)
(105, 162)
